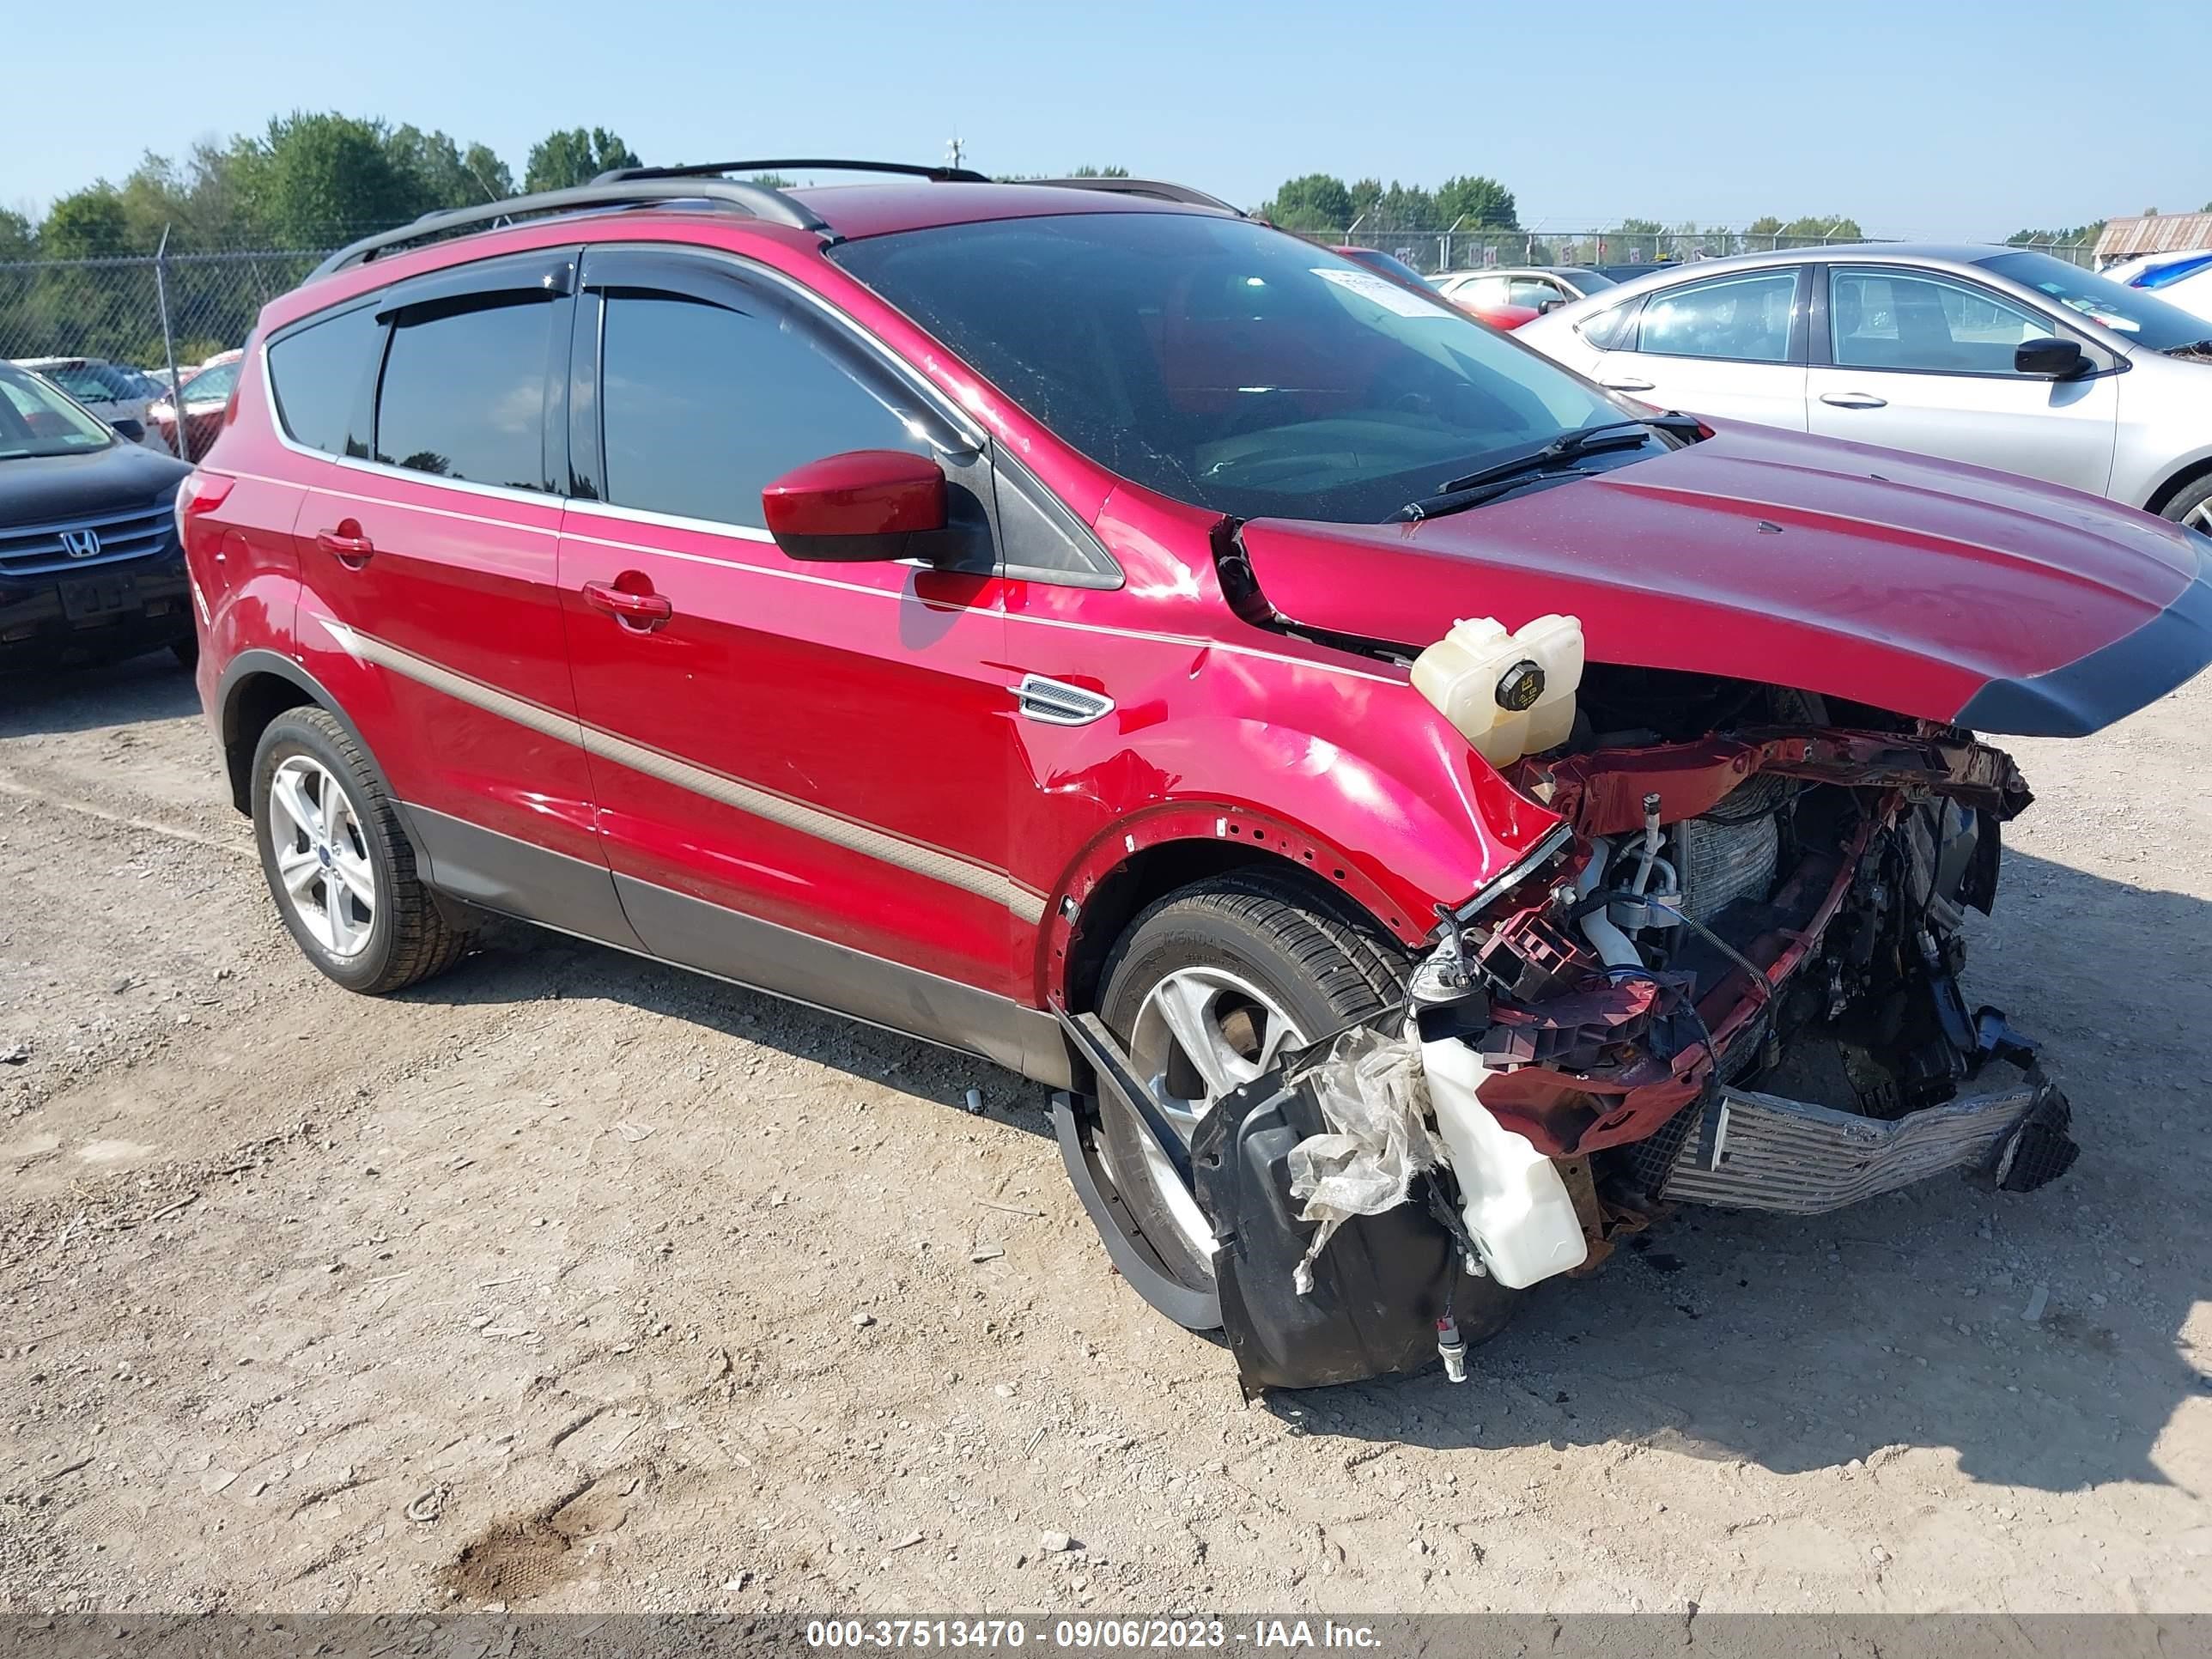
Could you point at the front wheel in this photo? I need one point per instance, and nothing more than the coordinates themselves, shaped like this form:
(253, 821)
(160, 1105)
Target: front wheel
(1207, 988)
(2193, 506)
(339, 866)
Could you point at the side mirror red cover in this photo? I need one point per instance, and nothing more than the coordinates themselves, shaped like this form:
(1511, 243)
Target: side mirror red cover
(862, 505)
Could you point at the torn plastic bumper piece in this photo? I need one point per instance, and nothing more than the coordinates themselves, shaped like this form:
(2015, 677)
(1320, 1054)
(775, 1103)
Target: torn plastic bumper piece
(1379, 1288)
(1075, 1121)
(1748, 1151)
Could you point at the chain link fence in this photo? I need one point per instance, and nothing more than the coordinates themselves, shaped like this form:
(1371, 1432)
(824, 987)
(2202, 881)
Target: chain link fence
(148, 313)
(1432, 250)
(143, 313)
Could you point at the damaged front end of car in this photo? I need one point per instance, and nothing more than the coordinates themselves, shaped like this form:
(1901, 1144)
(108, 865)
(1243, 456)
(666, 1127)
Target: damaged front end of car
(1730, 977)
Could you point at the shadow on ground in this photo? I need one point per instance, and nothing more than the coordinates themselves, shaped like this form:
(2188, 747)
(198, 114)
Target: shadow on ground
(146, 687)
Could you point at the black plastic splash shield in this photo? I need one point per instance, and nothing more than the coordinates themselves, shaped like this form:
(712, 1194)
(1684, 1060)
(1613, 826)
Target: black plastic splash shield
(1380, 1285)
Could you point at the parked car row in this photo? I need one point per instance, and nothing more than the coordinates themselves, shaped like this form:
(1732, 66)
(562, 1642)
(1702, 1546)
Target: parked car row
(679, 562)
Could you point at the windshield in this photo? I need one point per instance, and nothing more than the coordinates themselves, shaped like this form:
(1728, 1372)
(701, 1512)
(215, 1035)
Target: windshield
(37, 420)
(2128, 311)
(1388, 263)
(1588, 281)
(1225, 364)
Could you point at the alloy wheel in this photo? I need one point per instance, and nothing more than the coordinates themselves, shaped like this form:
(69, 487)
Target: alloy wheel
(1198, 1034)
(322, 855)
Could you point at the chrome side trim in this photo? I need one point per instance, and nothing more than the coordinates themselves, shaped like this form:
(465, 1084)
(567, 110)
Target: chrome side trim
(1054, 702)
(933, 863)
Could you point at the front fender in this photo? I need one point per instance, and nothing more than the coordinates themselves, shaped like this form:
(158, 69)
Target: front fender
(1374, 793)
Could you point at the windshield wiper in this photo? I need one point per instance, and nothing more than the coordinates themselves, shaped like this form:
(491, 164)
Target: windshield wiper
(1582, 440)
(1458, 500)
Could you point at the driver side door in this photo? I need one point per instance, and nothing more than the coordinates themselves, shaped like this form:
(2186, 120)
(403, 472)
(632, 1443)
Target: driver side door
(799, 766)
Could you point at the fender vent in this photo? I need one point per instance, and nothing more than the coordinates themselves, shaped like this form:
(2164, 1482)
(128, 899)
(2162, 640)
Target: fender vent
(1056, 704)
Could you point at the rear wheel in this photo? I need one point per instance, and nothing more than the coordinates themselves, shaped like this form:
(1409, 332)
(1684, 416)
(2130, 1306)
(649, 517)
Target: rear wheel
(2193, 506)
(1206, 989)
(339, 865)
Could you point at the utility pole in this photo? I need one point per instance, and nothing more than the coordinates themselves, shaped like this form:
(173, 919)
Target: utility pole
(954, 149)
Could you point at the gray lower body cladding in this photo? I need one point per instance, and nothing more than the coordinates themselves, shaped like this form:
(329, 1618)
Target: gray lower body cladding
(1749, 1150)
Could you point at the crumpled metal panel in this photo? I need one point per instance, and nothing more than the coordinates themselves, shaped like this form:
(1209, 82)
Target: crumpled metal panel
(1756, 1151)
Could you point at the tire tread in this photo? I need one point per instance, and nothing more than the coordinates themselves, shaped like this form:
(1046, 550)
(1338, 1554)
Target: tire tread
(424, 942)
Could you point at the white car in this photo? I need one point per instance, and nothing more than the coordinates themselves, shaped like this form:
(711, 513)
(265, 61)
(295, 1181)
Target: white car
(116, 392)
(1533, 286)
(2182, 276)
(1997, 356)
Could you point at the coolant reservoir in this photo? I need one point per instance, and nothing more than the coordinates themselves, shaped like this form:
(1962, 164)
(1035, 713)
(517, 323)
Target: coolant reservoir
(1509, 695)
(1516, 1207)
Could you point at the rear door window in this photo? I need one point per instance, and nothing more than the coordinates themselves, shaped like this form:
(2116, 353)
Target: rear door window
(316, 374)
(462, 394)
(1740, 319)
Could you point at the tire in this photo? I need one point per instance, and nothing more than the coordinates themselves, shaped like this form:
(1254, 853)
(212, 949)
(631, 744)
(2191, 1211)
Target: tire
(373, 935)
(2193, 506)
(188, 652)
(1256, 932)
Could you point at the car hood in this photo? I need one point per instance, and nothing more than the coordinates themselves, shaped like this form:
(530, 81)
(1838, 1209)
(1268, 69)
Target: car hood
(1941, 592)
(49, 488)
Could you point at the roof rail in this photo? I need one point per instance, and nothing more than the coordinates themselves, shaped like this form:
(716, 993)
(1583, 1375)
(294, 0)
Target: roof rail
(1158, 189)
(720, 194)
(709, 169)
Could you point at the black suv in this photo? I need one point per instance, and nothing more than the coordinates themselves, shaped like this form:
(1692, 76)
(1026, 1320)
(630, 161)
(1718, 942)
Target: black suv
(90, 566)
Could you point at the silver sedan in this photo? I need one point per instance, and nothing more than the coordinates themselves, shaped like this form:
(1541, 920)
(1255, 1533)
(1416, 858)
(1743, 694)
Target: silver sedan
(1994, 356)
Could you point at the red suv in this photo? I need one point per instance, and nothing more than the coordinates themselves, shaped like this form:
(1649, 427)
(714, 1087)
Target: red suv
(992, 612)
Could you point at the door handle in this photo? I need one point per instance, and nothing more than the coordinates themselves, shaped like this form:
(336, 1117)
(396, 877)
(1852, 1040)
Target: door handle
(641, 612)
(1854, 400)
(1627, 383)
(352, 551)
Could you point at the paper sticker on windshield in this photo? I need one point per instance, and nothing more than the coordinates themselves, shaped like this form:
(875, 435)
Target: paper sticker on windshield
(2104, 314)
(1381, 289)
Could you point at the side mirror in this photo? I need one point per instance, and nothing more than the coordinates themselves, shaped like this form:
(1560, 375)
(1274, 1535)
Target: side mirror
(130, 430)
(2056, 360)
(862, 507)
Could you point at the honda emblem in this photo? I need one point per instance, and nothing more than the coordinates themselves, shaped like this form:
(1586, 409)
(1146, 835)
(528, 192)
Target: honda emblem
(81, 543)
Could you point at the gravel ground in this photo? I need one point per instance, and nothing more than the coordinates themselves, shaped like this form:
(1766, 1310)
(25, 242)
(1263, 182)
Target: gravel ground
(569, 1282)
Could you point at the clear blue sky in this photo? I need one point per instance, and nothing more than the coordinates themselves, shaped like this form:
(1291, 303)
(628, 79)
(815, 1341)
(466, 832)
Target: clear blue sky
(1950, 118)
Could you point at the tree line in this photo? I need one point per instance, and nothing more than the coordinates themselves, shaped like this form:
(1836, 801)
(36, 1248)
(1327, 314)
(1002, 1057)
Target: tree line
(309, 181)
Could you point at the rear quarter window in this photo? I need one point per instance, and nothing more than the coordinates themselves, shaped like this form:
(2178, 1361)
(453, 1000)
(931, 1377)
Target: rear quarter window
(316, 374)
(1610, 331)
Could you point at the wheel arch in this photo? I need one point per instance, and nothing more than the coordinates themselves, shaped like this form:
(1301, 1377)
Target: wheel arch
(256, 687)
(1139, 862)
(2181, 477)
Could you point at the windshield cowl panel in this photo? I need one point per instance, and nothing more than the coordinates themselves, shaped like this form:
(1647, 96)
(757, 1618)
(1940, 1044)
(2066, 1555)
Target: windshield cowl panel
(1224, 364)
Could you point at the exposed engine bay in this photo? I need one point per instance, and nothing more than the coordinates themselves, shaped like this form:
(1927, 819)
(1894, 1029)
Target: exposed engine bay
(1730, 977)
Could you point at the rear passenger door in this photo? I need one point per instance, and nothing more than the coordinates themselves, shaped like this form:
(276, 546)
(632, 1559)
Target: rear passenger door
(801, 768)
(1732, 346)
(428, 551)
